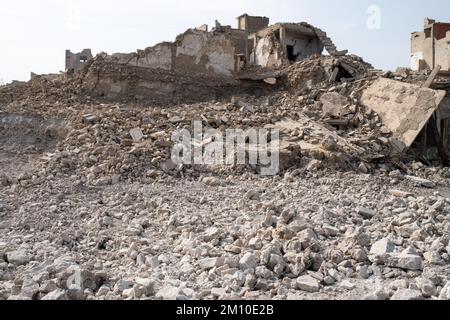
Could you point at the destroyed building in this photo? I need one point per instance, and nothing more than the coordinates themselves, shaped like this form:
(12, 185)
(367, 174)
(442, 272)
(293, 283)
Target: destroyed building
(203, 63)
(203, 56)
(285, 43)
(431, 47)
(75, 61)
(225, 51)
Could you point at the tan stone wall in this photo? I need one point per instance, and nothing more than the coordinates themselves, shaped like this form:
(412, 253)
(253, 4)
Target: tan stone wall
(252, 24)
(303, 46)
(202, 52)
(443, 53)
(422, 49)
(193, 52)
(268, 53)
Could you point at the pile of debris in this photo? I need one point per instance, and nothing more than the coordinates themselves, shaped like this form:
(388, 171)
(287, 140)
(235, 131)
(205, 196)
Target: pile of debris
(320, 115)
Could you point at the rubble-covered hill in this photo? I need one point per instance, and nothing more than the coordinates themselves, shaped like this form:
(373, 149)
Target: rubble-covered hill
(90, 211)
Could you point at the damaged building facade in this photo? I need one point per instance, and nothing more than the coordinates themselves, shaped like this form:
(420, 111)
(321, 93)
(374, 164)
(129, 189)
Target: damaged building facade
(203, 63)
(430, 51)
(209, 55)
(224, 51)
(431, 47)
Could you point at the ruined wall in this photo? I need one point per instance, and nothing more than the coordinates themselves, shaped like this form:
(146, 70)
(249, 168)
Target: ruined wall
(418, 61)
(157, 57)
(252, 24)
(75, 61)
(239, 39)
(442, 48)
(268, 53)
(431, 47)
(203, 52)
(303, 46)
(421, 51)
(197, 65)
(193, 52)
(113, 81)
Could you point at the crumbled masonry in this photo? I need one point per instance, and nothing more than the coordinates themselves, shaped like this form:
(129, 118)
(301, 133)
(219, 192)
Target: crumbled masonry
(359, 210)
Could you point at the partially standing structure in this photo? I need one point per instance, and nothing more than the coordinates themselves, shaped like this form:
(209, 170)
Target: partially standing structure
(285, 43)
(75, 61)
(431, 47)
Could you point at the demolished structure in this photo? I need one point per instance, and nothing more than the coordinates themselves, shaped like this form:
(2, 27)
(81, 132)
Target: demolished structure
(339, 95)
(431, 47)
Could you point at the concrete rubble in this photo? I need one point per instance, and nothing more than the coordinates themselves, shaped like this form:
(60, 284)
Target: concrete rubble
(92, 206)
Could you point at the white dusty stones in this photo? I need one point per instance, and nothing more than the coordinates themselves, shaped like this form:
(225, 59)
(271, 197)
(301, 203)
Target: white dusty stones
(407, 294)
(181, 239)
(248, 262)
(57, 294)
(308, 284)
(382, 247)
(409, 261)
(19, 257)
(383, 252)
(168, 292)
(366, 213)
(445, 292)
(421, 182)
(136, 134)
(427, 287)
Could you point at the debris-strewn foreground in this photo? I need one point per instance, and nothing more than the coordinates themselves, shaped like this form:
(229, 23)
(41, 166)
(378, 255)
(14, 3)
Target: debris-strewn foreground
(86, 212)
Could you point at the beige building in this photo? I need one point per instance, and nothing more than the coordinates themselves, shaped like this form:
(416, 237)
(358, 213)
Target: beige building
(431, 47)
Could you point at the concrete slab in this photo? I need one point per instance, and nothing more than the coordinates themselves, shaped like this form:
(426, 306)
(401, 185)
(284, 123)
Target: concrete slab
(404, 108)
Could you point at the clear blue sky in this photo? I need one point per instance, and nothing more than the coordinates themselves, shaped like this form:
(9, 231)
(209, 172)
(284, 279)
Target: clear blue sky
(35, 34)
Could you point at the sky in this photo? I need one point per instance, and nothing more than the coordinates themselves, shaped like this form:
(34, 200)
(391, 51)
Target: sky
(35, 34)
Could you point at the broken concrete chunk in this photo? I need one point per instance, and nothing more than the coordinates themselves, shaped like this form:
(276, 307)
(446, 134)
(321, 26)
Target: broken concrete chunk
(421, 182)
(211, 181)
(136, 134)
(407, 294)
(404, 108)
(56, 295)
(366, 213)
(308, 284)
(4, 180)
(208, 263)
(409, 262)
(175, 119)
(248, 261)
(334, 104)
(445, 292)
(401, 194)
(18, 258)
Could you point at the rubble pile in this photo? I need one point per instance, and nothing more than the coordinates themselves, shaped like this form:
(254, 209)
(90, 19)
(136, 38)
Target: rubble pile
(319, 69)
(350, 236)
(92, 207)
